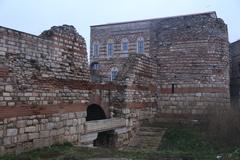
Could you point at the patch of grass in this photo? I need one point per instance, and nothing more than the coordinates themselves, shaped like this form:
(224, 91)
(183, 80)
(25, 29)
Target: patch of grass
(41, 154)
(187, 140)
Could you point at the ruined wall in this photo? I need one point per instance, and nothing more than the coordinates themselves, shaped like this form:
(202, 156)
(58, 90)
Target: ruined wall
(35, 68)
(43, 88)
(193, 63)
(235, 73)
(136, 97)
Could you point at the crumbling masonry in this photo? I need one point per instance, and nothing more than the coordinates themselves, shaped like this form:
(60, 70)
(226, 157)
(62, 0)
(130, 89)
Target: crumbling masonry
(176, 66)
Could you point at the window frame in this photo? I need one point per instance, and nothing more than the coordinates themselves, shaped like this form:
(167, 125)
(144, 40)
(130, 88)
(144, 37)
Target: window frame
(113, 70)
(110, 42)
(124, 40)
(96, 54)
(95, 66)
(142, 49)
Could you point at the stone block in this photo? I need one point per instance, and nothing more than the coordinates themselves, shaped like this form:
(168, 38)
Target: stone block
(50, 126)
(1, 133)
(11, 103)
(7, 98)
(35, 121)
(7, 140)
(12, 132)
(75, 122)
(73, 130)
(31, 129)
(61, 131)
(64, 116)
(21, 123)
(33, 135)
(44, 134)
(44, 120)
(69, 122)
(8, 88)
(88, 137)
(22, 137)
(6, 94)
(71, 115)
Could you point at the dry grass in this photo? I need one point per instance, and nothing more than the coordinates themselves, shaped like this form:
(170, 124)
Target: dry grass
(224, 126)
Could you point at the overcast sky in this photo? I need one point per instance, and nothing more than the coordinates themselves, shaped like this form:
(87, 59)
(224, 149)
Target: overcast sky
(34, 16)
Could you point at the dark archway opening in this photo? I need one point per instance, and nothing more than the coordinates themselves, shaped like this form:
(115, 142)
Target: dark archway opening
(95, 112)
(105, 139)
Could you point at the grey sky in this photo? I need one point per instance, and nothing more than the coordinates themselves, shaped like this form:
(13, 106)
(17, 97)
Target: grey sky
(34, 16)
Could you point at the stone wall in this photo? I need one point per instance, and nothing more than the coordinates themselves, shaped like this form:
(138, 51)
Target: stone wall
(24, 133)
(136, 99)
(35, 69)
(235, 73)
(44, 89)
(193, 63)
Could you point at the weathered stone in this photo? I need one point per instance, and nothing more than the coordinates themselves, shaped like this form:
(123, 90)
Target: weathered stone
(12, 132)
(8, 88)
(1, 133)
(22, 137)
(73, 130)
(31, 129)
(21, 123)
(7, 140)
(33, 135)
(44, 134)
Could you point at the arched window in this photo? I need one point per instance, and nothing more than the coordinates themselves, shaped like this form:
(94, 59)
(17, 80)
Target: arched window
(110, 48)
(96, 49)
(140, 45)
(124, 45)
(114, 72)
(95, 66)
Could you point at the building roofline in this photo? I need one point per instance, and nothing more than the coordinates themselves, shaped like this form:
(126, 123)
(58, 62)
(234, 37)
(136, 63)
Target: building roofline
(145, 20)
(237, 41)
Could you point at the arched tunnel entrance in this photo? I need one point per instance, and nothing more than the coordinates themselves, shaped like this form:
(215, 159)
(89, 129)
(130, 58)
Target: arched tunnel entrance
(106, 138)
(95, 112)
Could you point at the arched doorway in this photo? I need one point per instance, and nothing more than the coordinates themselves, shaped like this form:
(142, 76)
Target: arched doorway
(95, 112)
(106, 138)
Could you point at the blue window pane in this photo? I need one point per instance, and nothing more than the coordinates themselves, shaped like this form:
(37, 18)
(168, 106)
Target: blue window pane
(95, 66)
(110, 49)
(95, 49)
(125, 46)
(114, 75)
(140, 46)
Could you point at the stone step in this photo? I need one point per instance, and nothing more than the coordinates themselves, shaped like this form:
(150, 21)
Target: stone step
(147, 138)
(152, 129)
(140, 141)
(149, 133)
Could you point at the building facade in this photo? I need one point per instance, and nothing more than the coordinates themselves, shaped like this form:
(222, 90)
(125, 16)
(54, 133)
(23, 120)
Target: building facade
(188, 54)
